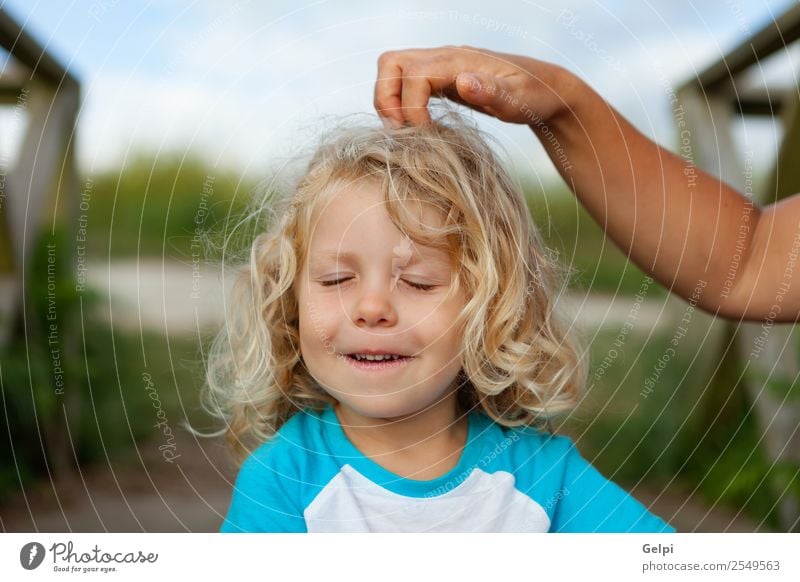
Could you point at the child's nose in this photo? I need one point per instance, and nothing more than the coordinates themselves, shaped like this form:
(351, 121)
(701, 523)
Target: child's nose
(375, 306)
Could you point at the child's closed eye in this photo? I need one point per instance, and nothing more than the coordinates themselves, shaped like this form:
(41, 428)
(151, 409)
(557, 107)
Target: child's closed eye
(418, 286)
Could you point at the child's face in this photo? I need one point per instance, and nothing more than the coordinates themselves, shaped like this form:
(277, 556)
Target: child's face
(376, 307)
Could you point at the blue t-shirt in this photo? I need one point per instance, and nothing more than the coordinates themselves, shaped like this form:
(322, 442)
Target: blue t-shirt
(309, 477)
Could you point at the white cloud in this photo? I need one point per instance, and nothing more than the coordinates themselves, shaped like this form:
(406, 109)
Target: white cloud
(245, 80)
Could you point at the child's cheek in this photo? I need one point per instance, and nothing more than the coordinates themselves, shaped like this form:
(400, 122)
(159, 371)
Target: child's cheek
(320, 316)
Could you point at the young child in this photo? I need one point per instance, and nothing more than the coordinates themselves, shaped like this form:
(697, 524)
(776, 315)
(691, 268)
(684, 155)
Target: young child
(392, 353)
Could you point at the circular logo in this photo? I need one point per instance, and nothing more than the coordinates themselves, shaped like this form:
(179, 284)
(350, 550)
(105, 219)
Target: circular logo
(31, 555)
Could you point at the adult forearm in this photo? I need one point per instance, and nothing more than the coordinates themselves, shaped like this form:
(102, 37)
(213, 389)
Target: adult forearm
(692, 232)
(676, 222)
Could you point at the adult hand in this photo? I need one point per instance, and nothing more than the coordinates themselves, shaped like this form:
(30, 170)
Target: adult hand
(633, 187)
(512, 88)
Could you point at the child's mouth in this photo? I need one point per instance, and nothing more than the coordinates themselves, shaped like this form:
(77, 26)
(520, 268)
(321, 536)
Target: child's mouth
(387, 364)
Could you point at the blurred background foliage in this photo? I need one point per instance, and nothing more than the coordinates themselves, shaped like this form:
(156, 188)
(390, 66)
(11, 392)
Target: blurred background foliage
(104, 407)
(695, 431)
(578, 241)
(150, 208)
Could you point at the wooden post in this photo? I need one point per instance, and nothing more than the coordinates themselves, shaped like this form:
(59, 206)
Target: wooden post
(43, 181)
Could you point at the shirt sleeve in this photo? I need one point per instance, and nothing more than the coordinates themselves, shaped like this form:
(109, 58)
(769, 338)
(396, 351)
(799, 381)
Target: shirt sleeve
(588, 502)
(264, 500)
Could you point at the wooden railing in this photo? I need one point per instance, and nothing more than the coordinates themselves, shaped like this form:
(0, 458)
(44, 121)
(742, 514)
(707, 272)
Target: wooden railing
(711, 102)
(41, 189)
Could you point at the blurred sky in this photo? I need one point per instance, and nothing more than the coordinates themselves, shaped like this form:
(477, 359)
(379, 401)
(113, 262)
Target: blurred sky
(247, 82)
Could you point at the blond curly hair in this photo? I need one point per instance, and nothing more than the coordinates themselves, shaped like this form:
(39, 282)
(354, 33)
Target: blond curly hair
(520, 364)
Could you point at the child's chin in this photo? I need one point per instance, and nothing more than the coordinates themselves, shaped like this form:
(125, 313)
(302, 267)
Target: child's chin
(383, 409)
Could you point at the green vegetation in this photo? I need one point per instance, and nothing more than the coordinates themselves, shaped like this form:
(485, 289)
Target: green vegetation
(687, 424)
(684, 427)
(73, 387)
(154, 205)
(595, 262)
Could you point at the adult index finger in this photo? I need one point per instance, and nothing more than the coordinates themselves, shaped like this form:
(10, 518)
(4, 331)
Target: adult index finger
(415, 95)
(389, 88)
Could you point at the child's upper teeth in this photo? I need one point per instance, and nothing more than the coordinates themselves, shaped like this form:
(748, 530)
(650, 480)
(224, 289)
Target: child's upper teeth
(377, 357)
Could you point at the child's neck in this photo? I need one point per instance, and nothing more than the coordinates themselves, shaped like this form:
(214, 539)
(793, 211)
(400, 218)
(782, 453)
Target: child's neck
(421, 446)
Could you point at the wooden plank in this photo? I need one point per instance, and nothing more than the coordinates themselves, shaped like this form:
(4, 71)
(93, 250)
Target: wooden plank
(772, 38)
(26, 50)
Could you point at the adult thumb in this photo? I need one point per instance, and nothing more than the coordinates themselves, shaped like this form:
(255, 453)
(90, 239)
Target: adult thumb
(478, 88)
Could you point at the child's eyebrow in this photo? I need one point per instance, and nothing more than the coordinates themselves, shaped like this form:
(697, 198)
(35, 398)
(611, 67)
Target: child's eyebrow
(333, 254)
(347, 256)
